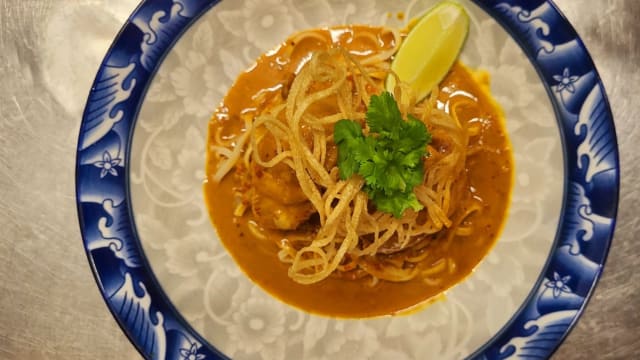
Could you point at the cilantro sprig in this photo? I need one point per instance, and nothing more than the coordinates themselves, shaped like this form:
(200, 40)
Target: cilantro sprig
(390, 158)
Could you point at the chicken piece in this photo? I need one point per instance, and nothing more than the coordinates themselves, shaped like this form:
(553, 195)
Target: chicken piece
(273, 214)
(277, 200)
(278, 182)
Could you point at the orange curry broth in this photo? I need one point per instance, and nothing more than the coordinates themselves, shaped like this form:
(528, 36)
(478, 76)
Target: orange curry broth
(490, 177)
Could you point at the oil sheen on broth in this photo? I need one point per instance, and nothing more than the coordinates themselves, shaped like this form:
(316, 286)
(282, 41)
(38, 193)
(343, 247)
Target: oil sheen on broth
(489, 174)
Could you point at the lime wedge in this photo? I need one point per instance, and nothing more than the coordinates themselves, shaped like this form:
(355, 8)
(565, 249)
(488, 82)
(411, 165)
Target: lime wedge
(430, 49)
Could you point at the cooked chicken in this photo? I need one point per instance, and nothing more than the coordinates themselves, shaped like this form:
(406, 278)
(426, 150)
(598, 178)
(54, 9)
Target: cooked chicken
(277, 201)
(273, 214)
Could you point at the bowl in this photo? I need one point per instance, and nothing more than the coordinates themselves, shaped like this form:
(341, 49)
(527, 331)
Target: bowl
(177, 293)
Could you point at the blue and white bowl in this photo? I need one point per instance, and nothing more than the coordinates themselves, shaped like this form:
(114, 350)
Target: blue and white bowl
(177, 293)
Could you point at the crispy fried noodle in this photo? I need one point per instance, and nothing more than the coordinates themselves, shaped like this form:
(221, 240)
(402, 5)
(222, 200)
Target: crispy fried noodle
(286, 152)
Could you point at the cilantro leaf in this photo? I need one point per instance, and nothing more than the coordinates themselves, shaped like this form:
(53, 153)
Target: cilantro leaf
(413, 133)
(390, 158)
(348, 136)
(383, 115)
(395, 203)
(346, 130)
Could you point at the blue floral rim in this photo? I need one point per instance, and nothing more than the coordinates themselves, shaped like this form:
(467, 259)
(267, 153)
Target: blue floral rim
(575, 263)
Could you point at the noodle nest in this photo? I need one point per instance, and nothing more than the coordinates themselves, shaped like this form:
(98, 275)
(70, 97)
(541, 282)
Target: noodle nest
(352, 239)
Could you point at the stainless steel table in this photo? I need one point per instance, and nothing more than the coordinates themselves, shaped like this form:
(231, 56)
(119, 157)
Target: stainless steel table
(50, 307)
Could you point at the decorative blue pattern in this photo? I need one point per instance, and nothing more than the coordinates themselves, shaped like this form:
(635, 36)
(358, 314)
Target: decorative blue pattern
(599, 145)
(545, 331)
(135, 313)
(112, 87)
(156, 328)
(592, 180)
(159, 29)
(124, 277)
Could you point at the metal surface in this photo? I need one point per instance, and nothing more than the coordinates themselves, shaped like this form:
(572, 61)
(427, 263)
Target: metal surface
(50, 307)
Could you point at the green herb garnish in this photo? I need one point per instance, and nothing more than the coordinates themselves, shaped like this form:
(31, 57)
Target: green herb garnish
(390, 158)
